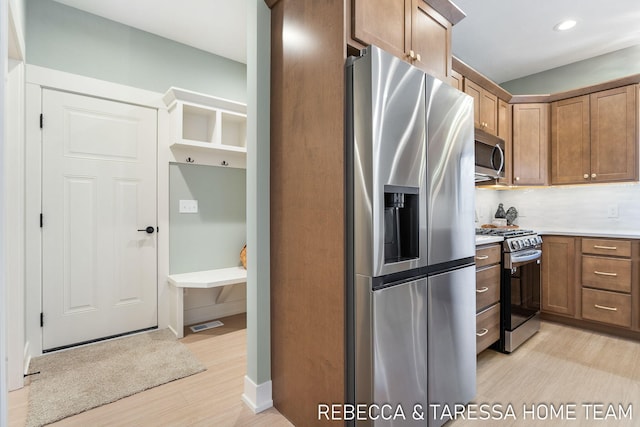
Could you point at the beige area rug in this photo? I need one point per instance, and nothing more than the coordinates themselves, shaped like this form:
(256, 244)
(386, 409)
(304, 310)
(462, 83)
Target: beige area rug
(83, 378)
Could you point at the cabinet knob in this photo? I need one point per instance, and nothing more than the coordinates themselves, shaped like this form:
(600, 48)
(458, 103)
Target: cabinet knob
(418, 57)
(411, 55)
(585, 176)
(593, 175)
(517, 178)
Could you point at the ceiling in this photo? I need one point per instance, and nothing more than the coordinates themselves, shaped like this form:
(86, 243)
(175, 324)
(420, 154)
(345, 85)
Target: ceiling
(507, 39)
(503, 39)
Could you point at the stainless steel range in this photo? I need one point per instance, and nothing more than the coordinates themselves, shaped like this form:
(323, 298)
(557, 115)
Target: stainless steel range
(520, 285)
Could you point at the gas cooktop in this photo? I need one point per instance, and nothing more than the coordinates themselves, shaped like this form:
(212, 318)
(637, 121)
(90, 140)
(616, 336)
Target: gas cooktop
(504, 232)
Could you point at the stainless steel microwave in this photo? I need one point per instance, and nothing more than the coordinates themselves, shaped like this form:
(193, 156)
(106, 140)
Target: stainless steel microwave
(490, 158)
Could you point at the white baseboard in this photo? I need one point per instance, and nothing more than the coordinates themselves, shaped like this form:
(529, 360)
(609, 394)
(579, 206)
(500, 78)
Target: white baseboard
(257, 397)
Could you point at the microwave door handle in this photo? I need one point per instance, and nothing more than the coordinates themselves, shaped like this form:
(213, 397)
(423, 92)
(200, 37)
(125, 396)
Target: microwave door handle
(498, 170)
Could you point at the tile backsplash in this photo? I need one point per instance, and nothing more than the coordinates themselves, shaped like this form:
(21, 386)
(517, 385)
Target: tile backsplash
(604, 207)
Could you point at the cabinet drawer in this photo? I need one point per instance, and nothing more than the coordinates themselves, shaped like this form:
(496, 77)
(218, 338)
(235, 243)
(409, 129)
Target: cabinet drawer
(487, 327)
(606, 273)
(487, 255)
(621, 248)
(606, 307)
(487, 286)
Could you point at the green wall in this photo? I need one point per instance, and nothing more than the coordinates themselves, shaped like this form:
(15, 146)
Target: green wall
(68, 39)
(214, 236)
(591, 71)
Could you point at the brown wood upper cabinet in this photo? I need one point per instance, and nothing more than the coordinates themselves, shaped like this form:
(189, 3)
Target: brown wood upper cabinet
(594, 137)
(485, 107)
(530, 142)
(505, 125)
(408, 29)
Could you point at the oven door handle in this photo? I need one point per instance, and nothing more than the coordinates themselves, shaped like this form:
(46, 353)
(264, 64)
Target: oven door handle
(522, 259)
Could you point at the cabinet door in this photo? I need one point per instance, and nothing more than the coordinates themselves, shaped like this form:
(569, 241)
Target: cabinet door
(614, 135)
(530, 140)
(570, 141)
(455, 80)
(558, 275)
(504, 132)
(384, 23)
(489, 112)
(431, 40)
(474, 91)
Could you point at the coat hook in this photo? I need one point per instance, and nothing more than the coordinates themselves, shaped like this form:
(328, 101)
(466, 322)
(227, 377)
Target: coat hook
(190, 160)
(224, 163)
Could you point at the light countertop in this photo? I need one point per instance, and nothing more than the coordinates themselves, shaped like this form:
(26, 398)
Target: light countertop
(611, 234)
(485, 240)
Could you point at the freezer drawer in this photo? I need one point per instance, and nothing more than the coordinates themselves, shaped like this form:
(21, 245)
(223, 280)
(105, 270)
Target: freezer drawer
(399, 341)
(452, 339)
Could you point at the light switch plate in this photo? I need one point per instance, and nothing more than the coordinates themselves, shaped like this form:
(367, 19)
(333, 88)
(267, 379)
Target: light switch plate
(188, 206)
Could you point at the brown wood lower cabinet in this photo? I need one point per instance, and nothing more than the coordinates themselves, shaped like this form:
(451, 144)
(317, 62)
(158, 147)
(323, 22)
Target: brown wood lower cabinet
(606, 307)
(487, 327)
(558, 275)
(593, 283)
(488, 271)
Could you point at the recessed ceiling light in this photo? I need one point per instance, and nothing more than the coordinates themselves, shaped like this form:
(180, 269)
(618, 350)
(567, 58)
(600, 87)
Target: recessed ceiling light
(565, 25)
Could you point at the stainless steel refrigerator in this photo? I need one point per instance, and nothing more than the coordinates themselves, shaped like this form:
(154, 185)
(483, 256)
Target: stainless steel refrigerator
(410, 243)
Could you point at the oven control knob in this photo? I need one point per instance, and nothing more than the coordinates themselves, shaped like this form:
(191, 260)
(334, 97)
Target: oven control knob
(539, 239)
(515, 245)
(526, 243)
(533, 241)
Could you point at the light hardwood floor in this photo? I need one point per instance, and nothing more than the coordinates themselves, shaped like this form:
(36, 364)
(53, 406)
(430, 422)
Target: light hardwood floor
(559, 365)
(211, 398)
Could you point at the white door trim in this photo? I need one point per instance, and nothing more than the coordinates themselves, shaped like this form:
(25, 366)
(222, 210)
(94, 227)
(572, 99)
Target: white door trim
(36, 79)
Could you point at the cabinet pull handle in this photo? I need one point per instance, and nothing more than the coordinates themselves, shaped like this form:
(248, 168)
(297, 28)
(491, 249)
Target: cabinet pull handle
(604, 307)
(482, 332)
(610, 248)
(482, 290)
(602, 273)
(482, 257)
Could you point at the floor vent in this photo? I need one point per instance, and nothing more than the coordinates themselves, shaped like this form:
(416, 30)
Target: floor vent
(204, 326)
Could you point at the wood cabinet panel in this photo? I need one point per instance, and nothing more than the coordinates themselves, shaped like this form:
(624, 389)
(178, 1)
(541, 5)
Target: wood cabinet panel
(613, 274)
(382, 23)
(409, 29)
(487, 286)
(485, 107)
(475, 92)
(621, 248)
(570, 141)
(430, 40)
(487, 327)
(558, 275)
(530, 143)
(505, 112)
(607, 307)
(614, 141)
(487, 255)
(455, 80)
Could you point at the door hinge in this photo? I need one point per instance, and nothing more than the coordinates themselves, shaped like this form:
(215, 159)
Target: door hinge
(41, 319)
(41, 120)
(41, 220)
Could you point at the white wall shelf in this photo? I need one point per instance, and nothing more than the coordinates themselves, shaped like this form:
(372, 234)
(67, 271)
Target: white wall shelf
(223, 277)
(209, 278)
(206, 129)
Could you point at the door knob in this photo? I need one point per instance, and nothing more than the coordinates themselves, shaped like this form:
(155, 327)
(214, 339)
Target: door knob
(149, 229)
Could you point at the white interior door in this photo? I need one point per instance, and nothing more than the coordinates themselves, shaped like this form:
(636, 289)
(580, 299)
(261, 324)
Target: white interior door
(98, 190)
